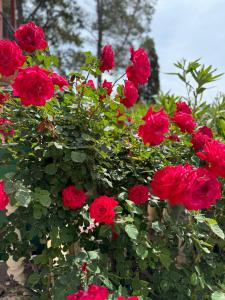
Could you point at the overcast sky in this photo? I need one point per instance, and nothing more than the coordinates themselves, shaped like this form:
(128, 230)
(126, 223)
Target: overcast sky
(189, 29)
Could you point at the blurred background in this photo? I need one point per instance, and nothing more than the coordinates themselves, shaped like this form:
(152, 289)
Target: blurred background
(168, 29)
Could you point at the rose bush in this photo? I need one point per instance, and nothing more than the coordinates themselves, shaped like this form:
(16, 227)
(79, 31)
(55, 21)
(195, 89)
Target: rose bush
(114, 200)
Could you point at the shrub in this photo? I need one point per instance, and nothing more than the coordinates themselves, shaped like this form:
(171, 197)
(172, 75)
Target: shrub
(101, 212)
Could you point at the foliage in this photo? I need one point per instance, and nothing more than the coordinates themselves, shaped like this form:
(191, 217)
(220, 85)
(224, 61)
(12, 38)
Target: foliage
(154, 250)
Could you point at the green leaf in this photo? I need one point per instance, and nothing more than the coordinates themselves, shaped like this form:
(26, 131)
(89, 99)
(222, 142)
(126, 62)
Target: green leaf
(157, 227)
(131, 231)
(165, 259)
(218, 296)
(77, 156)
(142, 251)
(93, 255)
(3, 218)
(215, 228)
(33, 279)
(22, 196)
(43, 197)
(51, 169)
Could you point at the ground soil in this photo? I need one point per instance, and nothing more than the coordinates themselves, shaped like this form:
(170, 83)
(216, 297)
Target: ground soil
(9, 289)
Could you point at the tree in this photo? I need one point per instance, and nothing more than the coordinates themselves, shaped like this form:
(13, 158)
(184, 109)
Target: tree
(123, 24)
(120, 23)
(61, 20)
(152, 87)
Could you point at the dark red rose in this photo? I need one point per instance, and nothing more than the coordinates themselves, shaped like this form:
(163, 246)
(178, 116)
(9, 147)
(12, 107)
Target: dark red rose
(4, 198)
(73, 198)
(102, 209)
(4, 98)
(214, 153)
(107, 61)
(11, 57)
(203, 189)
(59, 80)
(200, 137)
(30, 37)
(155, 127)
(6, 127)
(206, 130)
(185, 121)
(174, 137)
(107, 85)
(130, 94)
(138, 194)
(34, 86)
(140, 70)
(94, 292)
(183, 107)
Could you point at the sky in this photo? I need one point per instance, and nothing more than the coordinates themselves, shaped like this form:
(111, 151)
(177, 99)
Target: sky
(190, 29)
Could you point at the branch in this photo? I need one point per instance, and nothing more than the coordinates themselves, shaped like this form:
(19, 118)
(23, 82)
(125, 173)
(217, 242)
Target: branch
(34, 11)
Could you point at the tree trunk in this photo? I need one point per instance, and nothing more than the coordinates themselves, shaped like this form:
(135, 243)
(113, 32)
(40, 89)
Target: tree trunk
(19, 7)
(100, 33)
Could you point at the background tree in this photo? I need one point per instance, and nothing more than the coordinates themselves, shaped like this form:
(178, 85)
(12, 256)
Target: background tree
(120, 23)
(124, 24)
(148, 91)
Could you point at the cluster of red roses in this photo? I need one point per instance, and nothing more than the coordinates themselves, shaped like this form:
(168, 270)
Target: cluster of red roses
(137, 73)
(95, 292)
(33, 85)
(102, 208)
(194, 188)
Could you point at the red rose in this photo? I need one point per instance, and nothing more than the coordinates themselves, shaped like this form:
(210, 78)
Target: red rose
(130, 94)
(4, 98)
(30, 37)
(185, 121)
(59, 80)
(183, 107)
(128, 298)
(206, 130)
(6, 127)
(73, 198)
(11, 57)
(101, 209)
(170, 183)
(203, 189)
(107, 61)
(107, 85)
(94, 292)
(194, 188)
(139, 194)
(34, 86)
(174, 137)
(140, 70)
(200, 137)
(90, 83)
(4, 198)
(155, 127)
(214, 153)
